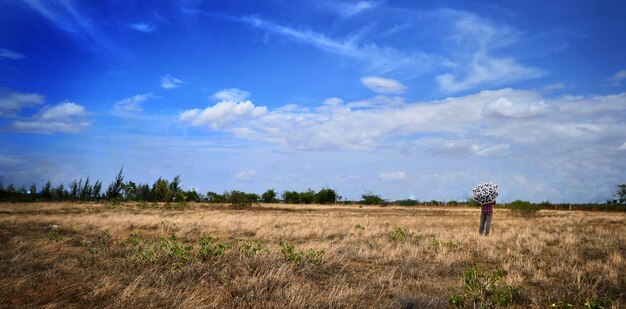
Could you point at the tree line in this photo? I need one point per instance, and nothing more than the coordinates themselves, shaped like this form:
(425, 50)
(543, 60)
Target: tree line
(163, 190)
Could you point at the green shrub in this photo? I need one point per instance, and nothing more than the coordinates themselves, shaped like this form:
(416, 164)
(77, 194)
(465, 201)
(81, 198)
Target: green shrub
(213, 197)
(561, 305)
(472, 203)
(482, 290)
(310, 256)
(239, 199)
(408, 202)
(524, 208)
(250, 248)
(397, 234)
(598, 303)
(54, 236)
(210, 247)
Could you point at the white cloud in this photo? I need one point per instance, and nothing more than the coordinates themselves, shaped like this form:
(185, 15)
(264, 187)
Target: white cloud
(10, 54)
(66, 117)
(333, 101)
(392, 176)
(505, 107)
(223, 114)
(11, 102)
(143, 27)
(476, 39)
(480, 150)
(617, 78)
(231, 94)
(553, 87)
(169, 82)
(132, 104)
(623, 147)
(10, 160)
(245, 175)
(383, 85)
(496, 121)
(349, 9)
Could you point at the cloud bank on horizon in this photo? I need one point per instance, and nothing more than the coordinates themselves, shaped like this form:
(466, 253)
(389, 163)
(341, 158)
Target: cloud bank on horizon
(400, 99)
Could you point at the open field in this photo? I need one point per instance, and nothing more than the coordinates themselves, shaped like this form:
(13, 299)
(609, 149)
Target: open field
(63, 255)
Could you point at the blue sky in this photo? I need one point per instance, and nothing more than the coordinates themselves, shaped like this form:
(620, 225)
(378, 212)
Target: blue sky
(405, 99)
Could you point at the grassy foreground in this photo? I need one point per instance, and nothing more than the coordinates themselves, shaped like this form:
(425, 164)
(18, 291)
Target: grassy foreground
(63, 255)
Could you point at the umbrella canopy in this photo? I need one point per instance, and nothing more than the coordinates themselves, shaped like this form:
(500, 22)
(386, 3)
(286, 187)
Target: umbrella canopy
(485, 193)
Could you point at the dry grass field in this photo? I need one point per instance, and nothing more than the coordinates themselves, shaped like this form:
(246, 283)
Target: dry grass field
(69, 255)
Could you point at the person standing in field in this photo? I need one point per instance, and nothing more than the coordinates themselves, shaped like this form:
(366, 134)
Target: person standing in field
(485, 195)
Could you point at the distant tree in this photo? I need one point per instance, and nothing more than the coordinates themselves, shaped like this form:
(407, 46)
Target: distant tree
(60, 194)
(407, 202)
(213, 197)
(180, 197)
(33, 192)
(472, 202)
(143, 192)
(192, 196)
(130, 191)
(326, 196)
(175, 185)
(86, 191)
(46, 191)
(620, 195)
(239, 198)
(524, 208)
(161, 190)
(269, 196)
(95, 191)
(372, 199)
(291, 197)
(75, 187)
(114, 191)
(253, 197)
(307, 197)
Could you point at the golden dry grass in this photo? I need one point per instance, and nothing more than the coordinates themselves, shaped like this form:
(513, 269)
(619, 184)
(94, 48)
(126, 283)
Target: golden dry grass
(63, 255)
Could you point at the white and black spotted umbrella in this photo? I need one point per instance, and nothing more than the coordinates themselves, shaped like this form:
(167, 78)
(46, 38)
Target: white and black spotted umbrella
(485, 193)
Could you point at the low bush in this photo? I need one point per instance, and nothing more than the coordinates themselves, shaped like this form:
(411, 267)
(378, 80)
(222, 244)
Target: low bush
(310, 256)
(371, 199)
(524, 208)
(483, 290)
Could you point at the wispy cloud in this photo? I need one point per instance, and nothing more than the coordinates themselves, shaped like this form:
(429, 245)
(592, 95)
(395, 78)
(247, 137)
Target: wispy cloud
(383, 85)
(382, 59)
(169, 82)
(132, 104)
(617, 78)
(477, 38)
(143, 27)
(245, 175)
(231, 94)
(349, 9)
(392, 176)
(11, 102)
(10, 54)
(65, 117)
(66, 16)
